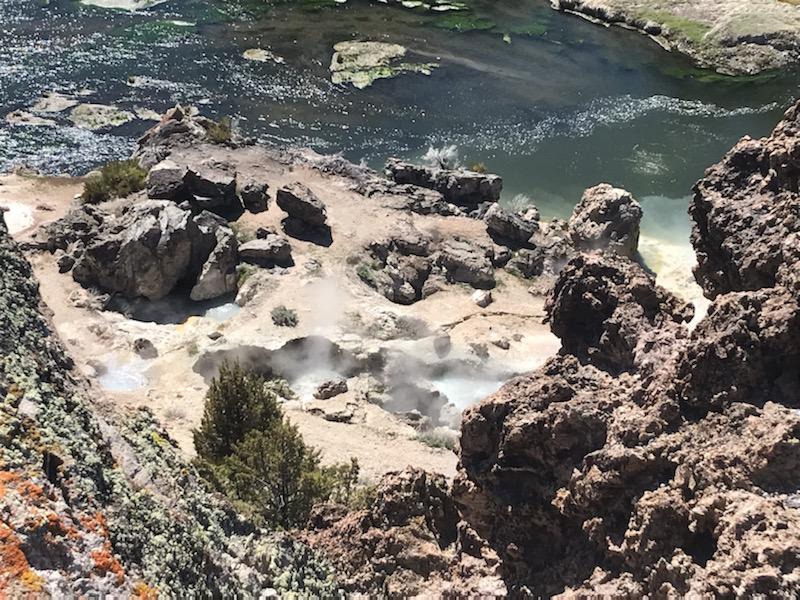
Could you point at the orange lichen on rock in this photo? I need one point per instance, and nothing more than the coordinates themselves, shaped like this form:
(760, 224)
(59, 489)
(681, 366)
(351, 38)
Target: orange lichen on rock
(7, 478)
(14, 566)
(142, 591)
(95, 523)
(106, 562)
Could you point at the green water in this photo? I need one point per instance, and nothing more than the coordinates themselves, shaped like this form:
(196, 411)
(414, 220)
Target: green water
(564, 105)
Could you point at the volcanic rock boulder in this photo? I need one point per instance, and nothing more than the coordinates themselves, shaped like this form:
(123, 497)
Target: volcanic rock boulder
(745, 212)
(153, 247)
(458, 186)
(608, 311)
(300, 203)
(511, 229)
(212, 186)
(466, 262)
(254, 196)
(407, 542)
(165, 181)
(218, 274)
(607, 219)
(410, 265)
(271, 250)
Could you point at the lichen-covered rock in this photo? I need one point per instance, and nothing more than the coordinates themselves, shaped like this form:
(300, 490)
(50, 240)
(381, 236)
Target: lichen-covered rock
(745, 212)
(98, 503)
(606, 219)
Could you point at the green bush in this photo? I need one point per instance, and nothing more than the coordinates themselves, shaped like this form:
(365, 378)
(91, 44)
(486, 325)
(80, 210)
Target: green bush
(236, 402)
(220, 132)
(116, 180)
(249, 451)
(436, 439)
(284, 317)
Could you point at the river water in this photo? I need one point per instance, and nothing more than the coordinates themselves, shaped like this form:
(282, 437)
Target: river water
(549, 101)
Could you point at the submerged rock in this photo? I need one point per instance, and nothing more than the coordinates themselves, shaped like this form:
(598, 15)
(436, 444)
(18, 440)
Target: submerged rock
(99, 116)
(262, 55)
(361, 63)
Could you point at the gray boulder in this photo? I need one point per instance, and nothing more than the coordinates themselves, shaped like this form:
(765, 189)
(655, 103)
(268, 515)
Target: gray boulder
(302, 204)
(330, 389)
(270, 250)
(607, 219)
(218, 275)
(509, 228)
(148, 250)
(213, 186)
(457, 186)
(466, 262)
(165, 181)
(254, 196)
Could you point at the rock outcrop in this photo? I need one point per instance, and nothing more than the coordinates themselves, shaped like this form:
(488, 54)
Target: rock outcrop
(406, 543)
(99, 503)
(458, 186)
(511, 229)
(300, 203)
(646, 460)
(606, 219)
(745, 213)
(410, 265)
(154, 246)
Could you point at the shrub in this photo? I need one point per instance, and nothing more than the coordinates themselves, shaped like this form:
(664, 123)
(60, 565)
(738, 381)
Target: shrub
(437, 439)
(117, 179)
(277, 475)
(367, 275)
(249, 451)
(284, 317)
(221, 131)
(243, 273)
(236, 402)
(478, 167)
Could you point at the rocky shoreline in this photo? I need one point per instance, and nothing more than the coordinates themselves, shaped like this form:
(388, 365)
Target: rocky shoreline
(646, 457)
(733, 37)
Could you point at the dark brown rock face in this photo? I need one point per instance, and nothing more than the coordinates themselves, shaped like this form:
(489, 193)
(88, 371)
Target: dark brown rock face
(646, 459)
(745, 213)
(407, 543)
(604, 310)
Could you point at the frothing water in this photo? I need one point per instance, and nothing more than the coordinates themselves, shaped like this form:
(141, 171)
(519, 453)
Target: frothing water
(550, 102)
